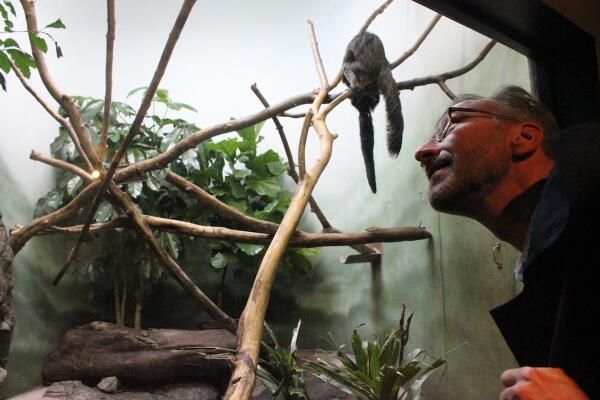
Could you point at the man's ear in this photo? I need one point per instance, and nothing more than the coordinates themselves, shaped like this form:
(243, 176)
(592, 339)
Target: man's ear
(527, 137)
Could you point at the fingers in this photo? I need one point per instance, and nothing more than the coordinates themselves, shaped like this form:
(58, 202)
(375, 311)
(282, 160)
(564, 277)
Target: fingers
(528, 383)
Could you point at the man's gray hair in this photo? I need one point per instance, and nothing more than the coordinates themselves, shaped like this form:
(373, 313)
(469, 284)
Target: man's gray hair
(520, 104)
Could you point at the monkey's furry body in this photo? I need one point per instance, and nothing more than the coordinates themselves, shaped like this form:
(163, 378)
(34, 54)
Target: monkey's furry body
(367, 72)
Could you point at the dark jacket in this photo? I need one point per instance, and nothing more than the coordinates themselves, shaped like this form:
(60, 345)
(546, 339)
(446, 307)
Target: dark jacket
(552, 321)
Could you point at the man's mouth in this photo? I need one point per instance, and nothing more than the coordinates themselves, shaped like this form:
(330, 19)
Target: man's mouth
(436, 165)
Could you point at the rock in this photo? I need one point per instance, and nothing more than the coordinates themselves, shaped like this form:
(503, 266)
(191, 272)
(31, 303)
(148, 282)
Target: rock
(108, 385)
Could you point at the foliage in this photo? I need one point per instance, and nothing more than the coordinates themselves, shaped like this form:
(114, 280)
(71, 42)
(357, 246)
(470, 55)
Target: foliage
(380, 371)
(285, 380)
(233, 170)
(9, 47)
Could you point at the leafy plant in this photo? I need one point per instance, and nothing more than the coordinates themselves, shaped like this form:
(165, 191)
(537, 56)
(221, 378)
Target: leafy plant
(10, 49)
(380, 371)
(284, 378)
(233, 170)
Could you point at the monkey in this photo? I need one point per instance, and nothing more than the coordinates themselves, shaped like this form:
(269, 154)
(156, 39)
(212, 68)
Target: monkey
(367, 72)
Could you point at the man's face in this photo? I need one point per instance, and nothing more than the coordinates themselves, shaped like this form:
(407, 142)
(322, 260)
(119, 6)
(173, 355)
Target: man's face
(470, 161)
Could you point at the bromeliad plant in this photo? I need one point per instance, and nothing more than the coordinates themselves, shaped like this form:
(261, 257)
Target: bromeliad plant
(284, 377)
(379, 371)
(233, 170)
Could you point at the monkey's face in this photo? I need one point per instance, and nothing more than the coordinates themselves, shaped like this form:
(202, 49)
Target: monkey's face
(468, 164)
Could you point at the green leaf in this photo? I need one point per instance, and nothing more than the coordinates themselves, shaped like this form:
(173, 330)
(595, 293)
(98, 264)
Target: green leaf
(38, 42)
(190, 160)
(277, 167)
(135, 154)
(104, 212)
(308, 251)
(93, 110)
(359, 351)
(266, 187)
(4, 63)
(237, 190)
(135, 189)
(23, 61)
(58, 24)
(219, 261)
(170, 139)
(10, 7)
(11, 43)
(171, 243)
(179, 106)
(227, 147)
(73, 185)
(162, 96)
(260, 164)
(2, 82)
(241, 173)
(136, 90)
(250, 249)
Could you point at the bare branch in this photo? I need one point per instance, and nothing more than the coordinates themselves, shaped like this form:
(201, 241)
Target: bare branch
(62, 165)
(446, 90)
(219, 207)
(292, 115)
(316, 54)
(63, 121)
(110, 41)
(20, 236)
(184, 13)
(302, 145)
(418, 43)
(372, 235)
(337, 100)
(374, 15)
(427, 80)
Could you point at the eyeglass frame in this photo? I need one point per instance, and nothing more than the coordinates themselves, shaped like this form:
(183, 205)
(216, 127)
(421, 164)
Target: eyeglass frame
(488, 114)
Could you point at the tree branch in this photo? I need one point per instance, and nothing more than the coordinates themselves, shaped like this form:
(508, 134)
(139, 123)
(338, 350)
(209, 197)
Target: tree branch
(302, 239)
(316, 55)
(110, 41)
(418, 43)
(184, 13)
(62, 165)
(374, 15)
(302, 145)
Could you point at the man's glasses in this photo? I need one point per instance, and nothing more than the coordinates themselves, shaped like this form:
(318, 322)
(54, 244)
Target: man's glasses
(451, 119)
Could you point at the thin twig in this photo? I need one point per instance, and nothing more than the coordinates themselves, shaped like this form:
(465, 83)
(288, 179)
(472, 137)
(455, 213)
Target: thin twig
(317, 55)
(292, 115)
(427, 80)
(374, 15)
(418, 43)
(63, 121)
(286, 147)
(446, 90)
(337, 100)
(87, 178)
(184, 13)
(302, 145)
(110, 41)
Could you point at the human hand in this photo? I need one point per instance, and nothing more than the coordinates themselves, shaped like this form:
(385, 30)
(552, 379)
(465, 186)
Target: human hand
(528, 383)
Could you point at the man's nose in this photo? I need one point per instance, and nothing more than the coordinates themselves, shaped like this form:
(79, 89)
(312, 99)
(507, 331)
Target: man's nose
(427, 151)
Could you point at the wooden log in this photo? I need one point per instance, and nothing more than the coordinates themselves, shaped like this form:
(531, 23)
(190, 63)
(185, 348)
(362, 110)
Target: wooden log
(7, 315)
(94, 351)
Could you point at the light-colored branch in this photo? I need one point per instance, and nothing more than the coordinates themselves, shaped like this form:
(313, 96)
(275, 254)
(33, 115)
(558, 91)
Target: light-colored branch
(372, 235)
(316, 54)
(374, 15)
(446, 90)
(292, 115)
(302, 145)
(110, 41)
(337, 100)
(418, 43)
(251, 322)
(19, 236)
(179, 274)
(427, 80)
(62, 165)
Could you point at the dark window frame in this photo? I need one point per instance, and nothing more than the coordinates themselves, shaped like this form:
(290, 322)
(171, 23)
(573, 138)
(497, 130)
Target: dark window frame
(562, 56)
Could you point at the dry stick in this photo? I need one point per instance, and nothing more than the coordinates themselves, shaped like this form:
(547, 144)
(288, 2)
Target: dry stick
(20, 236)
(418, 43)
(302, 145)
(292, 115)
(374, 15)
(72, 112)
(63, 121)
(316, 54)
(184, 13)
(427, 80)
(219, 207)
(110, 41)
(251, 322)
(184, 280)
(446, 90)
(388, 235)
(62, 165)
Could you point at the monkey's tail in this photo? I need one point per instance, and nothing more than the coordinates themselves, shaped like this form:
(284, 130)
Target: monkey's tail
(393, 108)
(367, 141)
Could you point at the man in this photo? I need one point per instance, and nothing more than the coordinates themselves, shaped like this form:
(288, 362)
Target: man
(501, 162)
